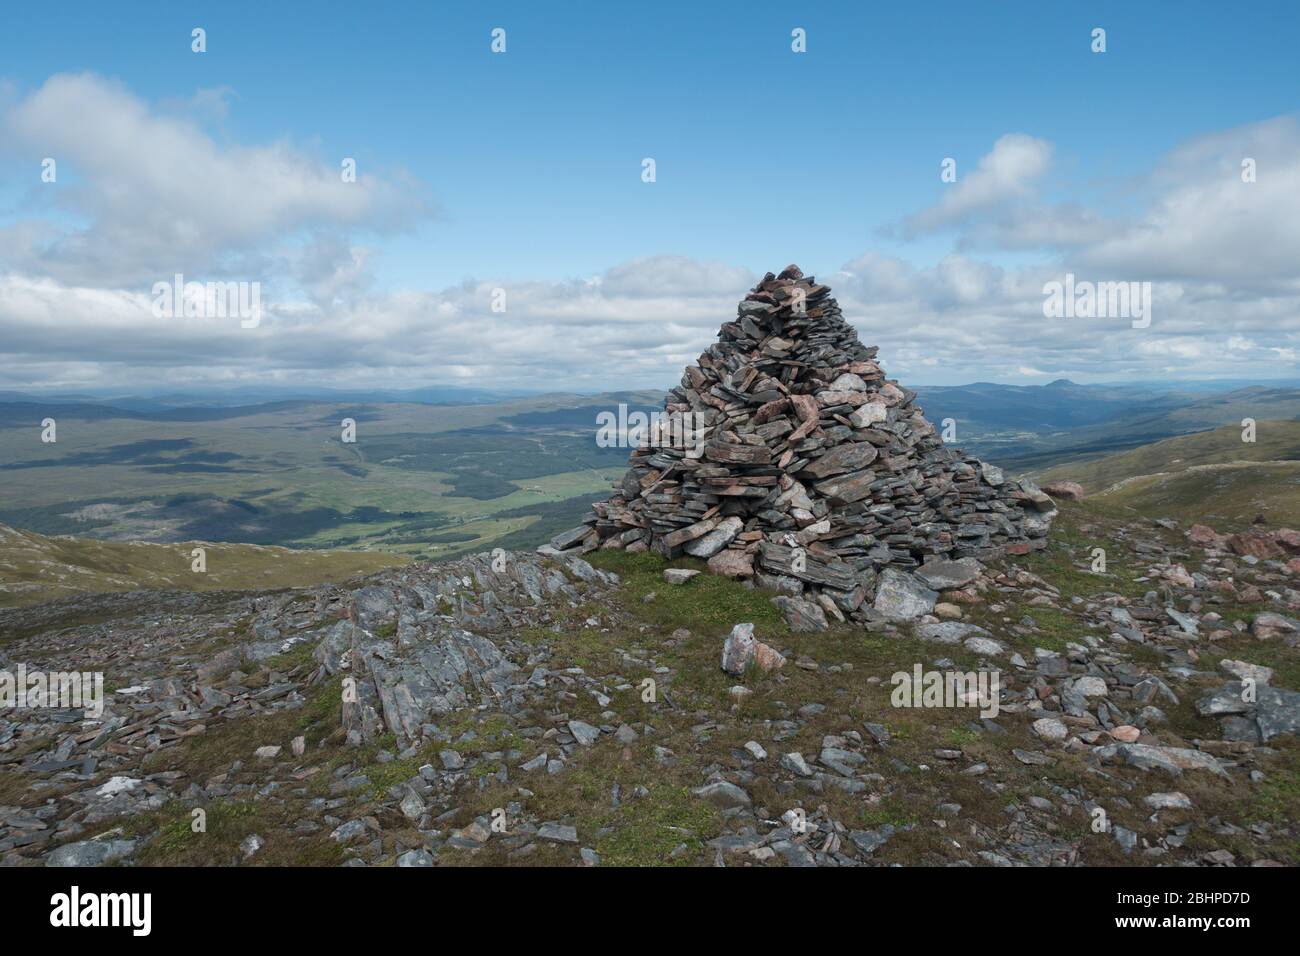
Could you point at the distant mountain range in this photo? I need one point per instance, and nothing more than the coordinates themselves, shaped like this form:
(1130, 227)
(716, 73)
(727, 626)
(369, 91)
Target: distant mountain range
(440, 472)
(230, 398)
(156, 399)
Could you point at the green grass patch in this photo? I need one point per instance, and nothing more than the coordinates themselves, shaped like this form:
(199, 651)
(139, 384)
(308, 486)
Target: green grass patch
(644, 831)
(707, 603)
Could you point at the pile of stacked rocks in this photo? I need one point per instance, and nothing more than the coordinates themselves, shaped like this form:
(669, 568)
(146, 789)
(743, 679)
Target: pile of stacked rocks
(787, 458)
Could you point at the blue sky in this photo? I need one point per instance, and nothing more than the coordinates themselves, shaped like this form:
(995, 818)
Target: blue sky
(525, 167)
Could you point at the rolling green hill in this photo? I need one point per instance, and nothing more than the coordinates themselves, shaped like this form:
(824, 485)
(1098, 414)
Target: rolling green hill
(1048, 425)
(35, 568)
(1210, 476)
(439, 481)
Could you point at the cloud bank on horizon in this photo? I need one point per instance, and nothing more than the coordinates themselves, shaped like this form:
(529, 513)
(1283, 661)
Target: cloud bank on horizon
(951, 291)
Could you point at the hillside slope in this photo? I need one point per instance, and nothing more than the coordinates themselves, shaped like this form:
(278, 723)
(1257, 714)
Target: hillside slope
(390, 720)
(1210, 475)
(36, 568)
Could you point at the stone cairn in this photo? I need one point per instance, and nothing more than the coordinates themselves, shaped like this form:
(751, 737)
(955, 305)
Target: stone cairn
(787, 458)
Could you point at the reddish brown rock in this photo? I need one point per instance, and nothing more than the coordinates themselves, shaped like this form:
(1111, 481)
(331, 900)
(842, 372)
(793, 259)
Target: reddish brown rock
(732, 563)
(1204, 536)
(741, 648)
(1288, 539)
(1258, 544)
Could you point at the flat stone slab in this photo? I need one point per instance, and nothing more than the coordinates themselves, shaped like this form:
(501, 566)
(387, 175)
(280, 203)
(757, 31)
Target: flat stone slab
(679, 575)
(1172, 760)
(948, 575)
(557, 833)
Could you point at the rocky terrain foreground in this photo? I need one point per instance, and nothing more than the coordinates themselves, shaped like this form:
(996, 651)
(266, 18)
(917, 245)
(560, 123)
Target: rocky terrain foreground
(552, 709)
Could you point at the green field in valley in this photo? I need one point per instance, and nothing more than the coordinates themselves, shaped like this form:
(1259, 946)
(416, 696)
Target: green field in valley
(419, 480)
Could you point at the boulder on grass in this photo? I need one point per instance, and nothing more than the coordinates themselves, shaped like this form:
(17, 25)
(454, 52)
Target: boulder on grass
(1064, 490)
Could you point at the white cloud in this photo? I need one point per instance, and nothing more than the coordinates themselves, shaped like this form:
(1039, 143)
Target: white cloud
(1205, 224)
(1010, 171)
(144, 193)
(149, 193)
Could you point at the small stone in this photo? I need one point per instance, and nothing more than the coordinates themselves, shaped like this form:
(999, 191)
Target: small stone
(119, 784)
(583, 732)
(679, 575)
(983, 645)
(1050, 729)
(557, 833)
(723, 794)
(250, 845)
(868, 841)
(412, 806)
(1173, 800)
(1090, 686)
(415, 858)
(1125, 837)
(741, 647)
(537, 763)
(1243, 671)
(795, 763)
(349, 832)
(625, 734)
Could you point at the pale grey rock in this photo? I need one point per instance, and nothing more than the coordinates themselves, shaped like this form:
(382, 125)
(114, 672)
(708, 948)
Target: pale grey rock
(795, 763)
(1050, 729)
(679, 575)
(944, 575)
(901, 597)
(583, 732)
(97, 852)
(554, 832)
(415, 858)
(1173, 800)
(723, 794)
(717, 539)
